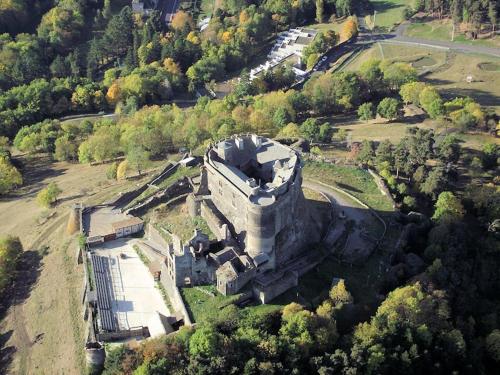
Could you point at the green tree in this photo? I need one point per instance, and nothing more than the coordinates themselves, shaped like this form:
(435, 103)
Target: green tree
(489, 155)
(448, 208)
(138, 158)
(48, 196)
(410, 92)
(367, 153)
(310, 129)
(10, 251)
(434, 183)
(111, 171)
(388, 108)
(65, 149)
(431, 102)
(366, 111)
(319, 11)
(384, 153)
(410, 202)
(10, 177)
(204, 342)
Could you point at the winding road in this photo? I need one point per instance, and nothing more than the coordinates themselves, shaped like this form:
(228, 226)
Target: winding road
(366, 37)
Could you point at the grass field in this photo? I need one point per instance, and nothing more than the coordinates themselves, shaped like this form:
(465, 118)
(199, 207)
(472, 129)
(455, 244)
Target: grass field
(356, 181)
(442, 30)
(326, 26)
(422, 58)
(389, 12)
(393, 131)
(445, 70)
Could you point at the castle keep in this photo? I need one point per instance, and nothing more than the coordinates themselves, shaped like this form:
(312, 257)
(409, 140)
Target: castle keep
(250, 195)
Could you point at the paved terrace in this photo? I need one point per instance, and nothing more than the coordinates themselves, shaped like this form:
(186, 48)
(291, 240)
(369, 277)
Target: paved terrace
(135, 300)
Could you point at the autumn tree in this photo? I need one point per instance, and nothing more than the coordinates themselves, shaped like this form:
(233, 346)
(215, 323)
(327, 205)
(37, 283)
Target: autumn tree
(181, 20)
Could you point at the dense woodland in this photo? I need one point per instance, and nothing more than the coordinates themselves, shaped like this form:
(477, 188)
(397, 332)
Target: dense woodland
(85, 56)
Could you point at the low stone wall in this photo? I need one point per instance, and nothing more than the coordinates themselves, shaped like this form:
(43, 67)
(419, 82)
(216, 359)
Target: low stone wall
(174, 296)
(178, 188)
(382, 186)
(216, 225)
(129, 196)
(265, 294)
(155, 236)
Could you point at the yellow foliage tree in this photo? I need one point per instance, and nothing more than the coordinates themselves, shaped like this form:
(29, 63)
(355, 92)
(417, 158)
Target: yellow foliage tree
(227, 36)
(290, 131)
(171, 66)
(244, 16)
(121, 172)
(114, 93)
(193, 37)
(181, 19)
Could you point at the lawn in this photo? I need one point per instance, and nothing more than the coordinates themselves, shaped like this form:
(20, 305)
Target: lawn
(435, 30)
(204, 305)
(326, 26)
(394, 131)
(355, 180)
(420, 57)
(389, 12)
(442, 30)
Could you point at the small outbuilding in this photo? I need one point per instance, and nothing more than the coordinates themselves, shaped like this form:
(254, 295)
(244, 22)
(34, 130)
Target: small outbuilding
(127, 227)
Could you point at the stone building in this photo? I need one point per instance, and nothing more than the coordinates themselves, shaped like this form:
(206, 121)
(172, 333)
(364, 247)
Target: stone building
(250, 195)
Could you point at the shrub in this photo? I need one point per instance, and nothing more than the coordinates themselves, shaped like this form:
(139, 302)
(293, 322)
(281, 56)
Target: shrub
(366, 111)
(111, 171)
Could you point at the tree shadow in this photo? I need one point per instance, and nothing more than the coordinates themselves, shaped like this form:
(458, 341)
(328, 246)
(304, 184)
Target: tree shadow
(348, 187)
(383, 6)
(69, 198)
(6, 351)
(27, 272)
(435, 81)
(484, 98)
(35, 171)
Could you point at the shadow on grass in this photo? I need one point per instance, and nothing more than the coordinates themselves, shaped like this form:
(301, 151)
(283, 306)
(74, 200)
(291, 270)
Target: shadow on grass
(348, 187)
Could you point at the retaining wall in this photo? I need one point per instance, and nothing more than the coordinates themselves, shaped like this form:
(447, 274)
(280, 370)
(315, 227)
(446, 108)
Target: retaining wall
(175, 296)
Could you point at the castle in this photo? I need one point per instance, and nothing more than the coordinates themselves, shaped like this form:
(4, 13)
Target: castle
(250, 194)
